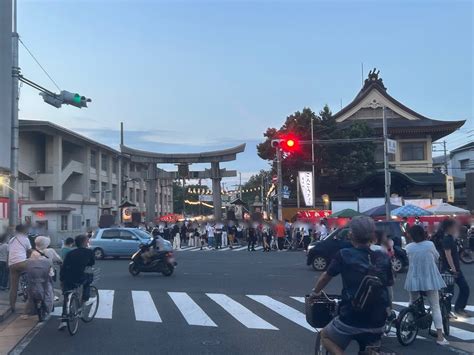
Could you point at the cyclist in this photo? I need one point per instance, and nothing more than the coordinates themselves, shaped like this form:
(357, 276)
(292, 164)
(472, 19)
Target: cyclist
(358, 321)
(73, 273)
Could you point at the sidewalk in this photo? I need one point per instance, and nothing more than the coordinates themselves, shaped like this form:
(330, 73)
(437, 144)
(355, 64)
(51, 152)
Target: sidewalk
(5, 309)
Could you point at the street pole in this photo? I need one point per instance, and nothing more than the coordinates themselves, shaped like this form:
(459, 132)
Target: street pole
(280, 183)
(312, 165)
(13, 195)
(297, 192)
(240, 185)
(385, 166)
(445, 159)
(261, 190)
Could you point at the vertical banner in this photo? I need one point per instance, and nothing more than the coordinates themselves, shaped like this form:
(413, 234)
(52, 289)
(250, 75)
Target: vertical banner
(306, 182)
(5, 83)
(449, 188)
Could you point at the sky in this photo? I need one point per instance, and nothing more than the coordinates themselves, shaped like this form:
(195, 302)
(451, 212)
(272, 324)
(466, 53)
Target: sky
(191, 76)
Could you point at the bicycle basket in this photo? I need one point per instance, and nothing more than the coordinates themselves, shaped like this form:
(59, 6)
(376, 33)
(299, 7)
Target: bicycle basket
(320, 311)
(448, 278)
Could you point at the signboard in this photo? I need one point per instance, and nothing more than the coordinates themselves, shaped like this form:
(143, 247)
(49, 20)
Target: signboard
(391, 146)
(286, 192)
(126, 214)
(306, 182)
(449, 188)
(313, 214)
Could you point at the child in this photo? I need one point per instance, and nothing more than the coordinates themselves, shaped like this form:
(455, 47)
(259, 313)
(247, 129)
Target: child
(3, 262)
(67, 247)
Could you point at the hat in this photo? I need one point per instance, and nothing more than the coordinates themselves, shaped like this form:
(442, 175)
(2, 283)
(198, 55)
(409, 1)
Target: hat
(42, 242)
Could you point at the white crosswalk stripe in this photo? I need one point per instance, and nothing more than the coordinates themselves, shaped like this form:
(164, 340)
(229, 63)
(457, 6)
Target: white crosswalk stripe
(239, 312)
(193, 314)
(283, 310)
(144, 307)
(106, 304)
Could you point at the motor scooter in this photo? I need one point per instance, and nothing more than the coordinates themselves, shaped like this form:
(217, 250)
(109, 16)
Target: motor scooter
(161, 261)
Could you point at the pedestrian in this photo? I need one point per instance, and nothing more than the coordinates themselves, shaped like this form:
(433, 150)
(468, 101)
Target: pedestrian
(280, 234)
(252, 239)
(3, 262)
(423, 275)
(232, 230)
(306, 238)
(451, 263)
(18, 251)
(218, 235)
(210, 236)
(67, 247)
(167, 232)
(42, 251)
(225, 241)
(176, 237)
(183, 234)
(323, 229)
(267, 239)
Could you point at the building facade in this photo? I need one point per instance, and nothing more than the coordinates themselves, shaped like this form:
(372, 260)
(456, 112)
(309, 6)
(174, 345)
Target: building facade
(66, 181)
(461, 162)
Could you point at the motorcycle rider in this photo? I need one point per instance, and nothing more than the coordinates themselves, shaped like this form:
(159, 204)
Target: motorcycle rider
(152, 247)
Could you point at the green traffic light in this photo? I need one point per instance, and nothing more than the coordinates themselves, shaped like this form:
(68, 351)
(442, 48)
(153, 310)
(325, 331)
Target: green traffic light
(77, 98)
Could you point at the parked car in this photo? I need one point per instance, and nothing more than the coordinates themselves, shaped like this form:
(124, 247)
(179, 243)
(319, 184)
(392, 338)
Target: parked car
(117, 242)
(321, 252)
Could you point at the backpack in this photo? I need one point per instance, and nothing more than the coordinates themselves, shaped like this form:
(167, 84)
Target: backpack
(372, 286)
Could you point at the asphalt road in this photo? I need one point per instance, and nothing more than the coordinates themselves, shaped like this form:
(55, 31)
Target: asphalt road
(216, 303)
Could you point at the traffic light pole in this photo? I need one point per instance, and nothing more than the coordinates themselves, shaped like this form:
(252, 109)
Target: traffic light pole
(280, 183)
(13, 191)
(385, 166)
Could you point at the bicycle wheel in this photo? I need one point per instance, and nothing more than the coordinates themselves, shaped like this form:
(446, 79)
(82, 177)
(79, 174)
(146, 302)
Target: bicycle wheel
(445, 317)
(319, 348)
(89, 311)
(72, 317)
(407, 329)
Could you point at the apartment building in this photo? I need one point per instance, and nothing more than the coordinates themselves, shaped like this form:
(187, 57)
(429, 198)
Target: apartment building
(66, 180)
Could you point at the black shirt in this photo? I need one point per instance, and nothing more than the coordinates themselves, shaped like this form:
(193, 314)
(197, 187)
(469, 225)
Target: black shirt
(76, 261)
(353, 265)
(449, 243)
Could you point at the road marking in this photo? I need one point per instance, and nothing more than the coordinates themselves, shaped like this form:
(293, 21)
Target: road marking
(190, 248)
(106, 304)
(224, 249)
(299, 299)
(259, 248)
(241, 248)
(144, 307)
(283, 310)
(239, 312)
(193, 314)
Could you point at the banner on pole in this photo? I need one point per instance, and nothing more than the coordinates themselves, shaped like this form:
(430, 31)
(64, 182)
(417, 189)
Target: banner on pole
(450, 188)
(306, 182)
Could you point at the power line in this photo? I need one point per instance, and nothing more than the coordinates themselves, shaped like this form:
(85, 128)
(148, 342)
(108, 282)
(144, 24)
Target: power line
(37, 62)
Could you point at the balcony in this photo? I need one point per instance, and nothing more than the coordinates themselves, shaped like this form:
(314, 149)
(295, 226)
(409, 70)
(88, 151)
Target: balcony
(73, 167)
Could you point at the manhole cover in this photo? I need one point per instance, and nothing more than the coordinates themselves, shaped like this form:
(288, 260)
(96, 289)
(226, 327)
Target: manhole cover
(211, 342)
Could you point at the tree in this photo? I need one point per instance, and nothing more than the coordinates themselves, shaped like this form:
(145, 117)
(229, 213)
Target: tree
(343, 160)
(191, 194)
(253, 186)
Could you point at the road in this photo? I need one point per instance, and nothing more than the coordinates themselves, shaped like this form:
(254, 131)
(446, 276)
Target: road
(217, 302)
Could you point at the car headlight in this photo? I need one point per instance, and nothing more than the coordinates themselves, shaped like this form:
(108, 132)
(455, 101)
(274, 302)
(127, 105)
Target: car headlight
(311, 246)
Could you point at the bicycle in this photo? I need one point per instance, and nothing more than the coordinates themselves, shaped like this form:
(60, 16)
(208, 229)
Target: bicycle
(416, 316)
(76, 309)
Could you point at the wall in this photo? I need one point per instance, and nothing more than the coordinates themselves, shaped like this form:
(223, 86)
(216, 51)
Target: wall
(454, 167)
(32, 153)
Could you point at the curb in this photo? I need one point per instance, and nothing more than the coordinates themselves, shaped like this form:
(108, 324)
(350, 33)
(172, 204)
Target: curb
(5, 312)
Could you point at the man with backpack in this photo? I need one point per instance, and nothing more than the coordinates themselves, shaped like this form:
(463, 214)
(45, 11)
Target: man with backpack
(366, 274)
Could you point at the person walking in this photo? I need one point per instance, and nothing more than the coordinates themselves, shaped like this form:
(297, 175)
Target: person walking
(306, 238)
(232, 230)
(210, 236)
(18, 249)
(218, 235)
(176, 237)
(280, 234)
(423, 275)
(252, 239)
(67, 247)
(451, 263)
(225, 241)
(3, 262)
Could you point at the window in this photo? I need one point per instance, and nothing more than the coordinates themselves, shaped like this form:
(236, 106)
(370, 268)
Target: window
(64, 222)
(131, 195)
(464, 164)
(126, 235)
(110, 234)
(413, 151)
(114, 166)
(88, 223)
(93, 188)
(144, 195)
(114, 192)
(93, 159)
(76, 222)
(103, 162)
(103, 186)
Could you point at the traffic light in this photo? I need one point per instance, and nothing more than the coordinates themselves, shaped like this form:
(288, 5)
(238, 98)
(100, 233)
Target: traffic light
(289, 144)
(65, 97)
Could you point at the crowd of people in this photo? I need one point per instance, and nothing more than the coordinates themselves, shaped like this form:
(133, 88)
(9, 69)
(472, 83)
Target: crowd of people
(366, 304)
(39, 263)
(217, 235)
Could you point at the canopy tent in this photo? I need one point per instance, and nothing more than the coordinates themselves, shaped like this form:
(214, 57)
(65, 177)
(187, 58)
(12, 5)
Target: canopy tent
(410, 211)
(379, 210)
(346, 213)
(447, 209)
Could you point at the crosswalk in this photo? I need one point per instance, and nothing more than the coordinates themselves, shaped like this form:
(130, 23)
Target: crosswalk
(226, 248)
(263, 312)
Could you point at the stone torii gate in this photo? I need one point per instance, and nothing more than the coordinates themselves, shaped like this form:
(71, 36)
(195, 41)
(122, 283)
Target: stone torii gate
(151, 159)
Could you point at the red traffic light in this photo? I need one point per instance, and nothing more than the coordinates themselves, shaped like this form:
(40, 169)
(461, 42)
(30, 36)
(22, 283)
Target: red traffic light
(290, 143)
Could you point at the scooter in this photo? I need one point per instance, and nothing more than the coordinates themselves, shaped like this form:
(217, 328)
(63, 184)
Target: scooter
(162, 261)
(466, 250)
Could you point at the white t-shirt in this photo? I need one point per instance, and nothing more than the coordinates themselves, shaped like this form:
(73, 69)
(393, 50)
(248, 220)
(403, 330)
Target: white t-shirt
(323, 231)
(17, 248)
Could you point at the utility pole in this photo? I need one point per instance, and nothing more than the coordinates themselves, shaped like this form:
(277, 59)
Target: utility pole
(385, 166)
(312, 164)
(13, 196)
(279, 183)
(240, 185)
(445, 158)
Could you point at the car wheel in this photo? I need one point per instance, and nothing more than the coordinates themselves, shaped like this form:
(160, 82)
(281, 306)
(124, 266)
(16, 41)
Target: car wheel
(99, 253)
(320, 263)
(397, 264)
